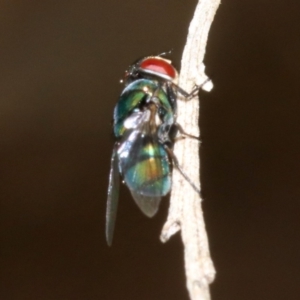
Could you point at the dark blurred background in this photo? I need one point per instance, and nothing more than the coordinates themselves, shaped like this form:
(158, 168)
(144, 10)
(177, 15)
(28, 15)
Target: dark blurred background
(61, 62)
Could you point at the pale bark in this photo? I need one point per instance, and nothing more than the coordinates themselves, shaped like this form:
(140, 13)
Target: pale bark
(185, 212)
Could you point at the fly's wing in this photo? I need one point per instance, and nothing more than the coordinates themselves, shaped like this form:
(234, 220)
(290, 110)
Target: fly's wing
(145, 167)
(148, 205)
(112, 197)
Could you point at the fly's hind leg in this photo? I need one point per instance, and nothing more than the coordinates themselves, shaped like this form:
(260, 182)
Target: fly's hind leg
(178, 167)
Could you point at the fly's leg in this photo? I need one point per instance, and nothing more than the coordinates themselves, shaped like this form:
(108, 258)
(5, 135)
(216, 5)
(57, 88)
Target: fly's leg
(193, 93)
(173, 131)
(184, 134)
(178, 167)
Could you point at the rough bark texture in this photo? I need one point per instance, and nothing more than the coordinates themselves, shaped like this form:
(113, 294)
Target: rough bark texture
(185, 212)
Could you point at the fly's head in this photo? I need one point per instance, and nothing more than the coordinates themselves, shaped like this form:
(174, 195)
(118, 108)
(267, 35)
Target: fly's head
(152, 67)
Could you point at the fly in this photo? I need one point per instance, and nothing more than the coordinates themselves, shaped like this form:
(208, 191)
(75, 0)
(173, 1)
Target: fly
(145, 129)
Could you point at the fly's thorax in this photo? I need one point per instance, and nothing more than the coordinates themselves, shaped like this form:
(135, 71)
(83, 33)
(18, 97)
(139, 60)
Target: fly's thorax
(136, 97)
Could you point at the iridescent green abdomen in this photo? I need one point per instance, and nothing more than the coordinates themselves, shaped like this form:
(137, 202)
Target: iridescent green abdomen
(147, 171)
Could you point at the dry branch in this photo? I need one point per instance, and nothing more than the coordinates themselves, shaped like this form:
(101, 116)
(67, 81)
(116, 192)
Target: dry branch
(185, 212)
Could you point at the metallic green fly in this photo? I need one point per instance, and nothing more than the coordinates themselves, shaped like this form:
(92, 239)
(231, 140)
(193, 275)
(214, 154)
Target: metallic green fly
(145, 129)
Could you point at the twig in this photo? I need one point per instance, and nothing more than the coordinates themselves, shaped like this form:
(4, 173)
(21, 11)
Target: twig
(185, 212)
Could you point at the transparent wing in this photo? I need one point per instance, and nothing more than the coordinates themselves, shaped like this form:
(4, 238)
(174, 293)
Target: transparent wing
(148, 205)
(145, 167)
(112, 197)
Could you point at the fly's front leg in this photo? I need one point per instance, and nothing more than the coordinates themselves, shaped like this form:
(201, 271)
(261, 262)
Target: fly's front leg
(193, 93)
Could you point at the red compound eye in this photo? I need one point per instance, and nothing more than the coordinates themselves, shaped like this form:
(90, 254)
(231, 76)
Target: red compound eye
(159, 67)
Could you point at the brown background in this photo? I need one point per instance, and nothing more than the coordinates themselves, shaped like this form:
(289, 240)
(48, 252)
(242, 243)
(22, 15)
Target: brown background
(60, 65)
